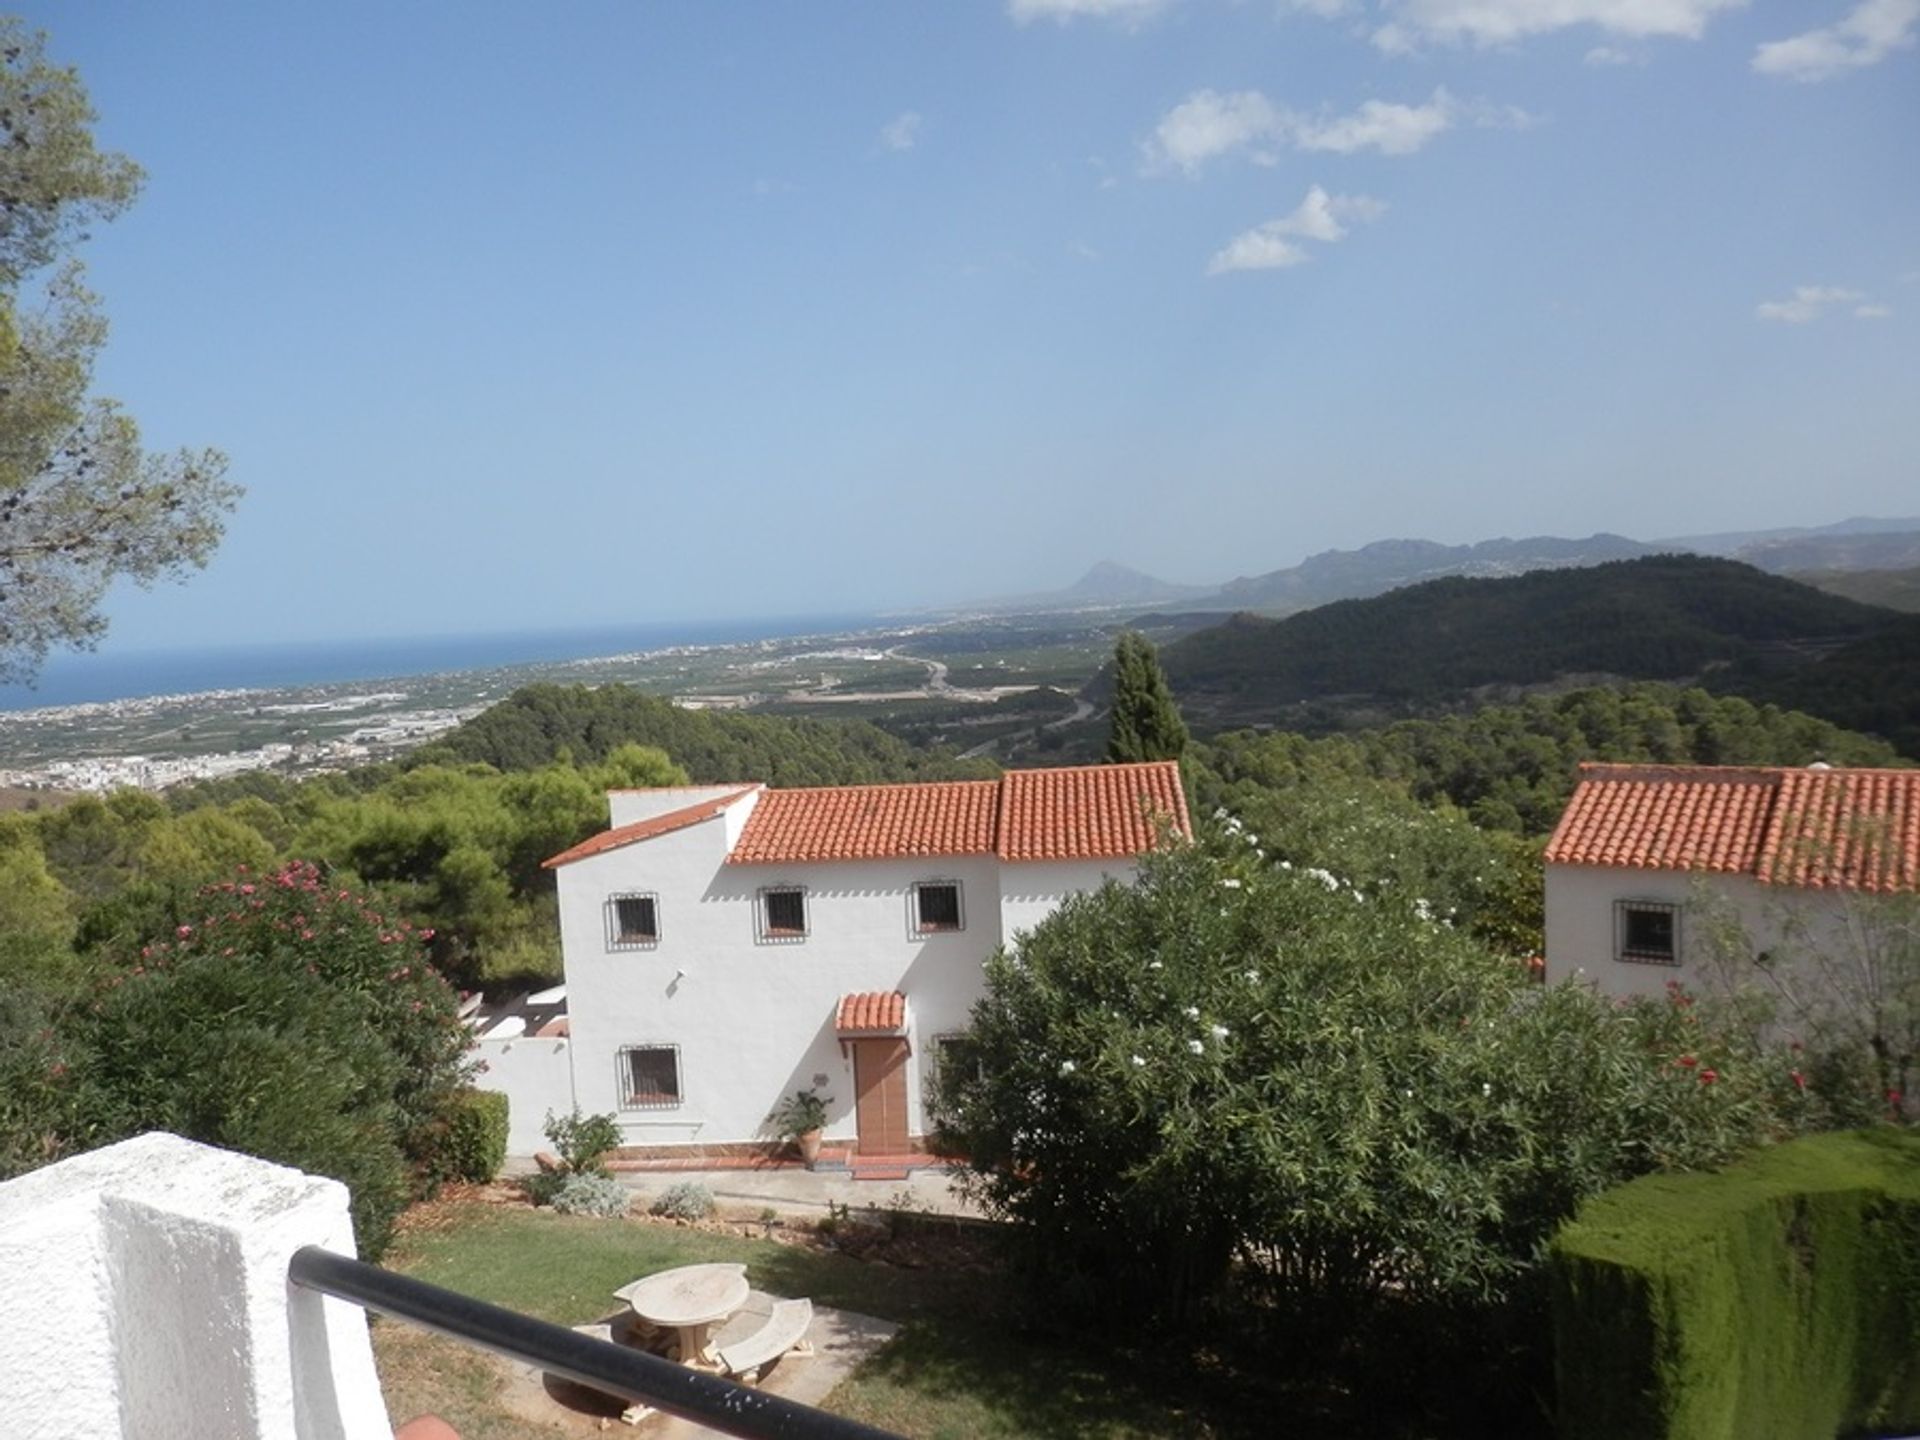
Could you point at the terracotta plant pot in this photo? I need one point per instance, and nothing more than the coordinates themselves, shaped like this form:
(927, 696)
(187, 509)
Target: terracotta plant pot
(809, 1143)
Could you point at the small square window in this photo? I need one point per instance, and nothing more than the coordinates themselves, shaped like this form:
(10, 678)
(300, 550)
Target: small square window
(936, 905)
(1647, 932)
(633, 921)
(783, 913)
(649, 1077)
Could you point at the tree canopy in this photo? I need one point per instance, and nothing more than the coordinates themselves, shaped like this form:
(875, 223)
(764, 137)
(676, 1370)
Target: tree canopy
(81, 503)
(1146, 723)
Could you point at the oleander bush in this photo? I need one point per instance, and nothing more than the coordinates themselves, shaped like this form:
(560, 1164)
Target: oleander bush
(1779, 1297)
(590, 1194)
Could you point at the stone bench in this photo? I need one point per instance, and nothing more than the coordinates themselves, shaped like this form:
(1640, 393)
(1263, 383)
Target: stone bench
(785, 1329)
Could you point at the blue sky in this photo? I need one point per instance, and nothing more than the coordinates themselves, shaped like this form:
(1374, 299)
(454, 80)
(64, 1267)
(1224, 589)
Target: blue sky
(634, 313)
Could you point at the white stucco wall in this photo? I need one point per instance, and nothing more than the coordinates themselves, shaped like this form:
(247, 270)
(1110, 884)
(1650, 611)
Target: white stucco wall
(146, 1296)
(1031, 889)
(754, 1018)
(536, 1076)
(1580, 922)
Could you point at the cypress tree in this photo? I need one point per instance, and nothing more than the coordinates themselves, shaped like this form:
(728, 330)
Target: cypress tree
(1146, 723)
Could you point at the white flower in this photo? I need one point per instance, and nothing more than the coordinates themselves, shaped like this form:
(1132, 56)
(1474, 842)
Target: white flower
(1253, 977)
(1230, 884)
(1286, 864)
(1192, 1012)
(1219, 812)
(1252, 839)
(1487, 1090)
(1067, 1067)
(1154, 965)
(1138, 1063)
(1219, 1032)
(1196, 1047)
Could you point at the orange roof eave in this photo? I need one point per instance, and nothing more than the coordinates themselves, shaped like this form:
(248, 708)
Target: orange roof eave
(647, 829)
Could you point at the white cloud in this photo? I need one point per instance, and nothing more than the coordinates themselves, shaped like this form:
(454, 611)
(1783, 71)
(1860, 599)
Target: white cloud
(1872, 312)
(1379, 125)
(1207, 125)
(1611, 55)
(1871, 31)
(1025, 12)
(1502, 22)
(1809, 302)
(902, 132)
(1276, 244)
(1325, 9)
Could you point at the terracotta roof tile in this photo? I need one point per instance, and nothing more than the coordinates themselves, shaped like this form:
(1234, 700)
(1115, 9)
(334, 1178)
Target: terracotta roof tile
(1078, 813)
(870, 822)
(648, 828)
(1089, 811)
(875, 1012)
(1853, 829)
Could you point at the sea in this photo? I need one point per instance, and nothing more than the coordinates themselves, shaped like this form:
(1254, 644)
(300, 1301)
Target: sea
(76, 679)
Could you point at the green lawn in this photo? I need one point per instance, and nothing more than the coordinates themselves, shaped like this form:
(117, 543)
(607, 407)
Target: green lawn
(958, 1369)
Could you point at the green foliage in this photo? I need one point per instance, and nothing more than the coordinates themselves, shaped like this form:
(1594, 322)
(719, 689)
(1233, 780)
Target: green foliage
(1375, 840)
(1780, 1297)
(539, 724)
(1512, 767)
(46, 1102)
(799, 1114)
(1872, 684)
(1666, 617)
(80, 502)
(467, 1140)
(1229, 1063)
(598, 1195)
(1146, 725)
(253, 1052)
(686, 1200)
(583, 1141)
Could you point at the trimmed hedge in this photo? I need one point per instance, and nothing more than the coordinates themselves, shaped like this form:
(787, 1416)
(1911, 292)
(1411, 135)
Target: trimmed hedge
(1777, 1298)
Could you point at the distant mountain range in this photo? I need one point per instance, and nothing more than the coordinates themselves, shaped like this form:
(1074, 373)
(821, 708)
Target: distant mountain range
(1859, 544)
(1455, 642)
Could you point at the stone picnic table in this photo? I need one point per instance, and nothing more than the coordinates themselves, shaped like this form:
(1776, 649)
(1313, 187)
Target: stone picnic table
(691, 1300)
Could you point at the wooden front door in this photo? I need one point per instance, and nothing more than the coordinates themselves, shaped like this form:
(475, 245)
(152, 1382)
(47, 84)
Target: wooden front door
(880, 1095)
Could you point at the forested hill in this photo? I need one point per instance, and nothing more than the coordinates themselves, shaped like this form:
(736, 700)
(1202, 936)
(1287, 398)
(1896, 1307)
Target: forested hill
(1430, 646)
(538, 723)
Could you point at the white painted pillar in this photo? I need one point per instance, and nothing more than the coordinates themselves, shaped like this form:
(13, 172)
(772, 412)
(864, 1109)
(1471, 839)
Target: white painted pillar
(144, 1294)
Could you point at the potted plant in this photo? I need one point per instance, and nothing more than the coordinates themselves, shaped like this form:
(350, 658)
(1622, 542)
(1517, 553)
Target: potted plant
(800, 1118)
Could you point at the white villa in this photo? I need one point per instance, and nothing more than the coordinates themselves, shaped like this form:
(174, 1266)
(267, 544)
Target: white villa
(729, 945)
(1644, 852)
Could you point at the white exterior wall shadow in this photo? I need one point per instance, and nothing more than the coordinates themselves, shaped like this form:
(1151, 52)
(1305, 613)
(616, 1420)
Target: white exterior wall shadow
(754, 1018)
(147, 1297)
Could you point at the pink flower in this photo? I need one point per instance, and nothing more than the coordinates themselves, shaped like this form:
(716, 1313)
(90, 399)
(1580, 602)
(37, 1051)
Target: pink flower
(1686, 1062)
(1893, 1098)
(184, 931)
(1707, 1077)
(1799, 1080)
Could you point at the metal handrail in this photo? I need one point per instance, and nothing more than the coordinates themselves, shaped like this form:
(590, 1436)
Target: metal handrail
(616, 1369)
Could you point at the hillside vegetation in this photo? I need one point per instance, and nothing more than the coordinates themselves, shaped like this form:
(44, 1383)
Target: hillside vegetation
(539, 724)
(1444, 644)
(1512, 767)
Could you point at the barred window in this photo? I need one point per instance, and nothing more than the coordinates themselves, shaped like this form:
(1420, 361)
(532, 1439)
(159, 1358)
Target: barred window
(936, 905)
(1647, 932)
(783, 912)
(633, 921)
(649, 1077)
